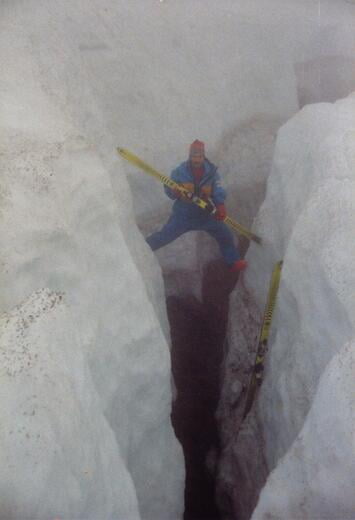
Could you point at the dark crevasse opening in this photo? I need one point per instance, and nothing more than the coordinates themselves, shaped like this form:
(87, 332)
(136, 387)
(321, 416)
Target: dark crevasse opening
(198, 332)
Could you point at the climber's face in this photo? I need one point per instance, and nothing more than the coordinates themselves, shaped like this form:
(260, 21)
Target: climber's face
(197, 158)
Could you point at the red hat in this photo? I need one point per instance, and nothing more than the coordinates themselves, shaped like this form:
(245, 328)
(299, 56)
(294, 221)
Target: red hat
(197, 146)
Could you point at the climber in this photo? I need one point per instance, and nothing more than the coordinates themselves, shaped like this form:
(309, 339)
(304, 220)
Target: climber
(200, 177)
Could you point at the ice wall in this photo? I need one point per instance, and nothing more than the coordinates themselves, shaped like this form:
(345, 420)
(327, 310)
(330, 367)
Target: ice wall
(307, 219)
(315, 478)
(59, 457)
(85, 364)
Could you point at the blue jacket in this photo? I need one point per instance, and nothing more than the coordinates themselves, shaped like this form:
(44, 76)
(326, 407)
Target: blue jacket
(209, 185)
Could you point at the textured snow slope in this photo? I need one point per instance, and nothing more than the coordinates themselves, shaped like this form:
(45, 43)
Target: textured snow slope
(315, 479)
(308, 220)
(85, 366)
(59, 457)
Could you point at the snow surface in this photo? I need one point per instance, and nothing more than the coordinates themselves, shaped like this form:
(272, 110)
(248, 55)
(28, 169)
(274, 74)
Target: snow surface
(303, 423)
(315, 479)
(56, 444)
(85, 371)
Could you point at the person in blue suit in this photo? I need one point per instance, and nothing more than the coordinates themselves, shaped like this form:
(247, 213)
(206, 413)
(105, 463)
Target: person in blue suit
(201, 178)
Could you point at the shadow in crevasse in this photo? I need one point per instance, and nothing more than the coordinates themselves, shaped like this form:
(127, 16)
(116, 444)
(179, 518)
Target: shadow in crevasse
(198, 332)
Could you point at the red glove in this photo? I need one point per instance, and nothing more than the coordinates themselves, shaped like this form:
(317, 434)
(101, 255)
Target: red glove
(221, 212)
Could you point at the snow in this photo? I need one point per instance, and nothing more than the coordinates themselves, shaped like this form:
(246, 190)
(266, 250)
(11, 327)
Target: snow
(315, 479)
(48, 401)
(307, 219)
(85, 378)
(86, 382)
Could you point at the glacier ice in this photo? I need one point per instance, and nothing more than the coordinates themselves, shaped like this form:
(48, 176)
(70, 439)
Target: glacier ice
(86, 381)
(307, 219)
(56, 444)
(315, 479)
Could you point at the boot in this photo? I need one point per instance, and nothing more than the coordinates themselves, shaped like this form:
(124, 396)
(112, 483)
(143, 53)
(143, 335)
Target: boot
(239, 265)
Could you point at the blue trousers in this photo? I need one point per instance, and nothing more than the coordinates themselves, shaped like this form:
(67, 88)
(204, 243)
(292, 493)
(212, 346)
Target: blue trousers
(178, 224)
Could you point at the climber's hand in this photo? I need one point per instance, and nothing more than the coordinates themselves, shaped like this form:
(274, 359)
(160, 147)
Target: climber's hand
(186, 196)
(177, 193)
(221, 212)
